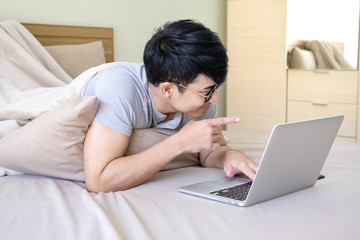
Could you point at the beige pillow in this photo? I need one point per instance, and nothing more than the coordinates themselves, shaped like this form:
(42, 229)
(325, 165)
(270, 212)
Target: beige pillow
(75, 59)
(52, 144)
(144, 138)
(303, 59)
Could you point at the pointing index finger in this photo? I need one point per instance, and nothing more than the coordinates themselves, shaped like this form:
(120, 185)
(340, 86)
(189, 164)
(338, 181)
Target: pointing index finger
(223, 120)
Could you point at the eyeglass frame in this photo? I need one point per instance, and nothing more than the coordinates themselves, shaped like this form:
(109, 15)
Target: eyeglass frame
(207, 96)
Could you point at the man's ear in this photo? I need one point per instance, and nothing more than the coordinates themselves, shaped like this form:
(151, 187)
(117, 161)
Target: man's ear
(167, 89)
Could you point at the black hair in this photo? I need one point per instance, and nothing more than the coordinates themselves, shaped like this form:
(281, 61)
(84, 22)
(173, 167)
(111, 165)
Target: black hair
(181, 50)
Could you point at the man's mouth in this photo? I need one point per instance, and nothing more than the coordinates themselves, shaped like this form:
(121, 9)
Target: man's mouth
(206, 107)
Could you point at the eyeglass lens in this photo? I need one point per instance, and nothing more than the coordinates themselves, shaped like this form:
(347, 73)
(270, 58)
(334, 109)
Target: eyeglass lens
(210, 93)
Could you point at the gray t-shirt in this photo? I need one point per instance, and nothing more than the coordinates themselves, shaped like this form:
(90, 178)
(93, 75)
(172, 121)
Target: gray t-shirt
(125, 101)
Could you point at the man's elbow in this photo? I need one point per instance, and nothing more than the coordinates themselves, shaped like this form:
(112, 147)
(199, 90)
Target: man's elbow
(94, 187)
(98, 186)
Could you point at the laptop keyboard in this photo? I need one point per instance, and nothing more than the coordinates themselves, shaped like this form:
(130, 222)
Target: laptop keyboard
(238, 192)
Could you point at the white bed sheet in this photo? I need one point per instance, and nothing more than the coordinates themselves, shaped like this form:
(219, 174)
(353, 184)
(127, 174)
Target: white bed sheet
(35, 207)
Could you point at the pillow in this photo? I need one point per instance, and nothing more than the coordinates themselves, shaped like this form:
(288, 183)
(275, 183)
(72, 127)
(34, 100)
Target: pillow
(303, 59)
(144, 138)
(75, 59)
(52, 144)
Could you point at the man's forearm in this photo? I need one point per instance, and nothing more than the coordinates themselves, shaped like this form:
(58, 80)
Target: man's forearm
(215, 158)
(127, 172)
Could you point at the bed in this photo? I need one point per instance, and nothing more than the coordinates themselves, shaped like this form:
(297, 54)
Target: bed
(34, 205)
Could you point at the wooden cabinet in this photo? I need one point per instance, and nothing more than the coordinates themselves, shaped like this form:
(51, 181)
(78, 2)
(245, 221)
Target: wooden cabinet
(256, 83)
(313, 94)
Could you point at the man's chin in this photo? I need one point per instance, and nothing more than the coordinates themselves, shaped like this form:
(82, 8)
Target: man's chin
(197, 114)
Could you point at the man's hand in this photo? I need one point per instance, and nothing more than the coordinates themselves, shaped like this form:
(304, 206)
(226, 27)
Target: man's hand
(204, 135)
(236, 162)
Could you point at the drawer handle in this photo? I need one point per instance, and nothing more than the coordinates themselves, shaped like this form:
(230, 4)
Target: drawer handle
(320, 102)
(320, 71)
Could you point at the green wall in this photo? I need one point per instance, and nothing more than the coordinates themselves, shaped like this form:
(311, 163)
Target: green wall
(134, 21)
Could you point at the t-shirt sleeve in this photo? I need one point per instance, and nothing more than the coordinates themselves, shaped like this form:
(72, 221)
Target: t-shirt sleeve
(114, 92)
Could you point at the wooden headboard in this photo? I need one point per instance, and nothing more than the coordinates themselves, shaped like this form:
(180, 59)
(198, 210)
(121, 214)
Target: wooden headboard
(48, 35)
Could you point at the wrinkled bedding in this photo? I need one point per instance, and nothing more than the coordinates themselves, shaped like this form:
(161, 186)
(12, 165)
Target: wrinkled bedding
(36, 207)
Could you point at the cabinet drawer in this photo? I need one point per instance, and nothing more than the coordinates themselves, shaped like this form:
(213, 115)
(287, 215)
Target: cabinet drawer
(327, 86)
(298, 111)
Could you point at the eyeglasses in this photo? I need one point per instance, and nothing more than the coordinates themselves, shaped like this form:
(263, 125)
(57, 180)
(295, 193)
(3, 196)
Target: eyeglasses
(206, 96)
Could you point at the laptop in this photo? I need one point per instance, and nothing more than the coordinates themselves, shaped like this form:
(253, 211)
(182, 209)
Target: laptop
(292, 161)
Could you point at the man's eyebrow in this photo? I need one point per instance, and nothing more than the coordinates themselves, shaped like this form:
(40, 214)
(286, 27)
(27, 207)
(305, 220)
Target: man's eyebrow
(209, 87)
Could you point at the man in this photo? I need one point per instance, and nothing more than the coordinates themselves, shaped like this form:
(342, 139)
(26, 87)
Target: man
(184, 63)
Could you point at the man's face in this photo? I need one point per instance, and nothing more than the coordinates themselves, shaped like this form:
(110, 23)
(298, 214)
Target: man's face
(192, 100)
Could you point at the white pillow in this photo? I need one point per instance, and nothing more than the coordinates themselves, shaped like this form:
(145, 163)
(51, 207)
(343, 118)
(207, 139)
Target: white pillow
(52, 144)
(303, 59)
(75, 59)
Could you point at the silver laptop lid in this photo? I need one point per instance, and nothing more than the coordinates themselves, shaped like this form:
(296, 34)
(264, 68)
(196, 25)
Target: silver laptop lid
(293, 157)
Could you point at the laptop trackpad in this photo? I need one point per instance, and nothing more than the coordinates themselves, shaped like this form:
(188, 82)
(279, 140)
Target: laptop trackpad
(228, 182)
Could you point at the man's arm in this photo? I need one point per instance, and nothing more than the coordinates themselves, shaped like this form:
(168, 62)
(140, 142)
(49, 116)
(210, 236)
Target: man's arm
(231, 161)
(107, 169)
